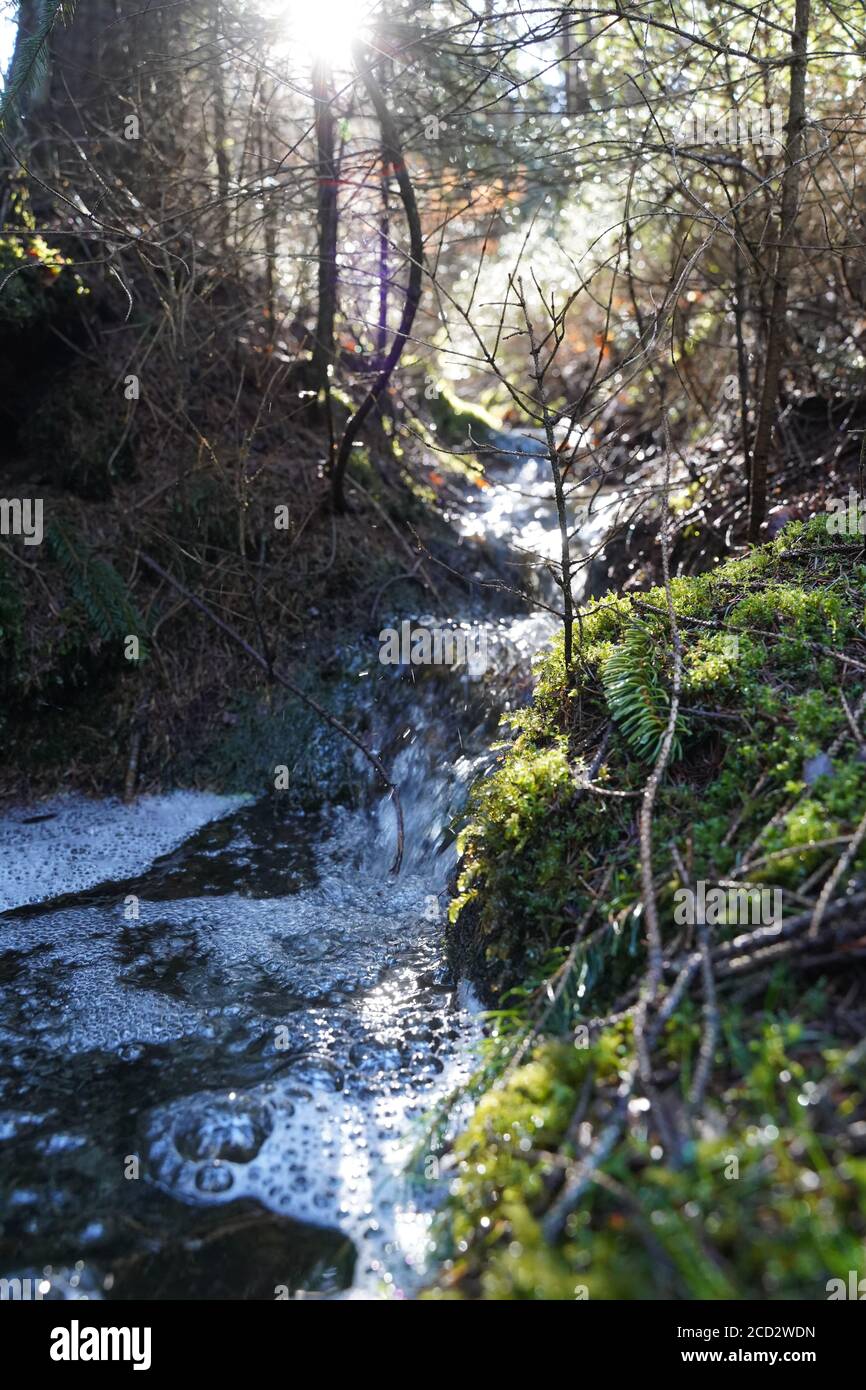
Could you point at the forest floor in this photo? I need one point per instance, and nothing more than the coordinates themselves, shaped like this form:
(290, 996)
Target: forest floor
(310, 591)
(714, 1147)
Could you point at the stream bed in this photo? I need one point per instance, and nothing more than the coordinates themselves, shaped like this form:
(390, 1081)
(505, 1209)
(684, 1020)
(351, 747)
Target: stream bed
(224, 1026)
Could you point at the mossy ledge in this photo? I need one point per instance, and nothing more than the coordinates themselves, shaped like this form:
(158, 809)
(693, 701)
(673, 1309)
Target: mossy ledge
(760, 1189)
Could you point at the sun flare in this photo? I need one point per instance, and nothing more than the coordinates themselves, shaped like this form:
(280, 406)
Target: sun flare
(322, 30)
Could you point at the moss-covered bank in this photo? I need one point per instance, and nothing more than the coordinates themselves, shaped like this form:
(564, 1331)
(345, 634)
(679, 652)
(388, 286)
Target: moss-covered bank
(758, 1187)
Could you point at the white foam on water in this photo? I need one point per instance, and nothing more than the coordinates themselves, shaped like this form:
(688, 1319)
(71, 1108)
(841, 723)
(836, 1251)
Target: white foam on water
(332, 1113)
(320, 1147)
(319, 1124)
(89, 842)
(328, 1137)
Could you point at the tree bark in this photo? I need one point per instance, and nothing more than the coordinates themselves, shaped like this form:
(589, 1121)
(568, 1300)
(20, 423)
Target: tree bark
(328, 221)
(779, 308)
(394, 153)
(577, 99)
(220, 135)
(384, 259)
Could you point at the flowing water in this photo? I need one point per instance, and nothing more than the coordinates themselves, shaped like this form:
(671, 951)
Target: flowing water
(225, 1027)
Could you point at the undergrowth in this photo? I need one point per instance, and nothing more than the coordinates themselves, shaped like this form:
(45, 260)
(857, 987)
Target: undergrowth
(764, 1191)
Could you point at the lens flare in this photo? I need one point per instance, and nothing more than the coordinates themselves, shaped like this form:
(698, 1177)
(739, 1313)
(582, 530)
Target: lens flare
(321, 30)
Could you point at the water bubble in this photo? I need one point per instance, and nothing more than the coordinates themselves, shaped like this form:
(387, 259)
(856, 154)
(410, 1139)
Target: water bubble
(214, 1178)
(373, 1057)
(231, 1128)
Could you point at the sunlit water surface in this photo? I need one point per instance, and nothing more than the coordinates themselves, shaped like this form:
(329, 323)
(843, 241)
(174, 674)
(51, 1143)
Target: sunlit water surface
(223, 1046)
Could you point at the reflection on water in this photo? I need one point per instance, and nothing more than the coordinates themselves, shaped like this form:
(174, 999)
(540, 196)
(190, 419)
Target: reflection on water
(215, 1071)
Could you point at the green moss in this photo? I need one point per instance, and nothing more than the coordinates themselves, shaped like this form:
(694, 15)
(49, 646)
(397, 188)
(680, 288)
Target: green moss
(768, 1196)
(454, 418)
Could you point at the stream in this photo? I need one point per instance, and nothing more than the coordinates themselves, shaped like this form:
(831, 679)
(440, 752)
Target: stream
(225, 1027)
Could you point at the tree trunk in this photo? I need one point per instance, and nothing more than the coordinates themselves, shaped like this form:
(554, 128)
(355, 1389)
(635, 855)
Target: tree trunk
(394, 153)
(265, 158)
(221, 136)
(384, 237)
(576, 89)
(328, 215)
(784, 256)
